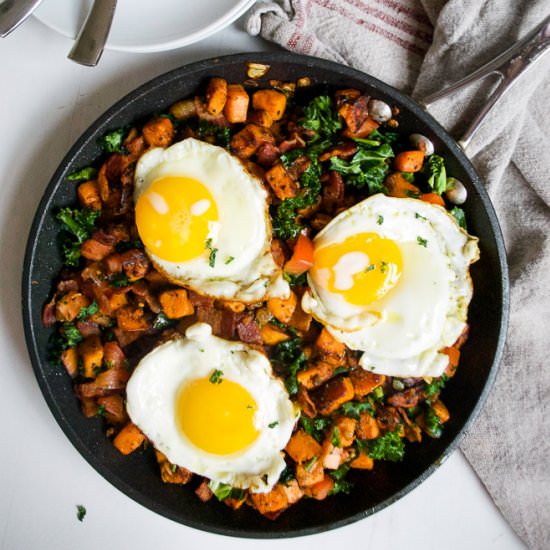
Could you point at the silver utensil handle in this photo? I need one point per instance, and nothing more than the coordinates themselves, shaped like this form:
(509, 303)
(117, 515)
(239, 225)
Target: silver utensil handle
(14, 12)
(508, 66)
(91, 39)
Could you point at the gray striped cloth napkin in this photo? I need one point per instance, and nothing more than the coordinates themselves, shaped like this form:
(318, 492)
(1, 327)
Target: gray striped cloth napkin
(419, 46)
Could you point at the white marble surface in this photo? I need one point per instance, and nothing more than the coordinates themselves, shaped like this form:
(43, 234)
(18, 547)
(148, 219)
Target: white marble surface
(46, 102)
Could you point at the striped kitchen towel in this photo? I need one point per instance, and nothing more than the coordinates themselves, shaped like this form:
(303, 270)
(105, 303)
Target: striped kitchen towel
(399, 28)
(420, 46)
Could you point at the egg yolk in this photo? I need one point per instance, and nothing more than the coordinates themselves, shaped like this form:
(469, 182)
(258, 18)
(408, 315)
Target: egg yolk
(174, 216)
(362, 268)
(216, 416)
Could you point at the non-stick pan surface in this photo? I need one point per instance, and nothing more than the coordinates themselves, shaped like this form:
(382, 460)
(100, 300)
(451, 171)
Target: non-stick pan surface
(137, 475)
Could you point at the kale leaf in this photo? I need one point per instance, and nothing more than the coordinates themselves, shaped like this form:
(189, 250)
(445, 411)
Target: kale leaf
(79, 225)
(289, 356)
(112, 141)
(437, 178)
(390, 447)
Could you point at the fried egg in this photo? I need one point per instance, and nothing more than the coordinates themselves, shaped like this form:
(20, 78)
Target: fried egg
(204, 222)
(213, 407)
(391, 278)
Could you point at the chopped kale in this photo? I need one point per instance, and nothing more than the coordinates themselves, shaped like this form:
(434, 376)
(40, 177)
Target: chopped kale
(223, 491)
(295, 280)
(87, 173)
(221, 134)
(119, 280)
(286, 476)
(437, 178)
(289, 357)
(340, 483)
(78, 225)
(112, 141)
(390, 447)
(321, 117)
(353, 409)
(435, 386)
(71, 335)
(314, 426)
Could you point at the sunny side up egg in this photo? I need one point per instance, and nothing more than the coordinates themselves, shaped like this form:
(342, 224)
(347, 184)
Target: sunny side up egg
(213, 407)
(391, 278)
(204, 222)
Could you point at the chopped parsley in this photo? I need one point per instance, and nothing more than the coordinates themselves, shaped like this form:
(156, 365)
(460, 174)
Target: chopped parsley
(383, 266)
(273, 424)
(229, 259)
(213, 252)
(459, 216)
(419, 216)
(421, 241)
(216, 377)
(89, 310)
(87, 173)
(101, 410)
(380, 219)
(119, 280)
(71, 334)
(310, 463)
(370, 268)
(295, 280)
(80, 512)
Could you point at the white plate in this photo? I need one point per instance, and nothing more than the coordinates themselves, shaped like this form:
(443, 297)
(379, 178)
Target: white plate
(147, 25)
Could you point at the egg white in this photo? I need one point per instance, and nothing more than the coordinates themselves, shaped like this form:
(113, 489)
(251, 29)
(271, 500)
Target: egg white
(151, 404)
(244, 269)
(402, 333)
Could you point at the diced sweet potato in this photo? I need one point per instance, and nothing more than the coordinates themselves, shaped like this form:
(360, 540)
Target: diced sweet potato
(331, 395)
(175, 303)
(69, 359)
(309, 473)
(91, 353)
(272, 335)
(302, 447)
(170, 473)
(69, 305)
(128, 439)
(454, 358)
(280, 181)
(131, 319)
(300, 320)
(409, 161)
(271, 101)
(270, 504)
(362, 461)
(332, 457)
(330, 349)
(314, 376)
(88, 195)
(365, 381)
(246, 142)
(346, 430)
(367, 427)
(261, 118)
(398, 186)
(441, 411)
(283, 308)
(117, 300)
(203, 491)
(236, 104)
(216, 95)
(159, 132)
(113, 408)
(321, 489)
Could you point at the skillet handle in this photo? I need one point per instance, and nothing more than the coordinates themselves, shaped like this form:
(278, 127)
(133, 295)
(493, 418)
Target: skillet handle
(508, 66)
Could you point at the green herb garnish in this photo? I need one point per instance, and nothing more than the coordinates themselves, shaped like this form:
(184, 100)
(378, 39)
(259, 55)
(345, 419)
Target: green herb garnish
(112, 141)
(422, 242)
(78, 225)
(213, 252)
(437, 178)
(353, 409)
(390, 447)
(80, 512)
(216, 377)
(89, 310)
(459, 216)
(87, 173)
(289, 357)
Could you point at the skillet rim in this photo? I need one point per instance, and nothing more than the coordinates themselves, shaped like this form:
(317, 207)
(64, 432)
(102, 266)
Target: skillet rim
(148, 89)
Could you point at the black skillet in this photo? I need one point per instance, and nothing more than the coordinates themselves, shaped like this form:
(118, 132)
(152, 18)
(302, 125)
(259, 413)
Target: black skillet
(137, 475)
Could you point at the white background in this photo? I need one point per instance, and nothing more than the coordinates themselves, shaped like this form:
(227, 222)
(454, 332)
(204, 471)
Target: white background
(46, 102)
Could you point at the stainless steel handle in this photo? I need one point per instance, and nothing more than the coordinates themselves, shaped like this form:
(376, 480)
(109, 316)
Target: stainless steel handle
(91, 39)
(508, 66)
(14, 12)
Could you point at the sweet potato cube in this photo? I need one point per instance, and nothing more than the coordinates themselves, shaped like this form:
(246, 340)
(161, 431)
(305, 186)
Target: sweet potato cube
(331, 395)
(159, 132)
(69, 359)
(68, 306)
(321, 489)
(280, 181)
(302, 446)
(330, 349)
(272, 335)
(283, 308)
(236, 104)
(272, 101)
(346, 430)
(91, 353)
(261, 118)
(128, 439)
(88, 195)
(367, 427)
(362, 461)
(365, 381)
(314, 376)
(309, 473)
(246, 142)
(175, 303)
(216, 95)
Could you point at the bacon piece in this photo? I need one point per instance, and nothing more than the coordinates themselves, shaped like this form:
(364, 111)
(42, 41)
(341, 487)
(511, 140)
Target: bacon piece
(203, 491)
(113, 409)
(268, 154)
(342, 150)
(407, 398)
(88, 328)
(249, 330)
(107, 382)
(113, 356)
(135, 264)
(333, 191)
(48, 314)
(141, 289)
